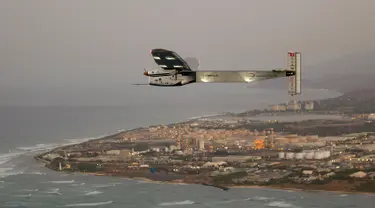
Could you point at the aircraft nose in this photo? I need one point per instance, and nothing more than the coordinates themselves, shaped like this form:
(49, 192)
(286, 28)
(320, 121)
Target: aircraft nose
(145, 73)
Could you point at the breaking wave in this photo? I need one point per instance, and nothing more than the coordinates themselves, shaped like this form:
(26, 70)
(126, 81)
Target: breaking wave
(93, 193)
(89, 204)
(60, 182)
(261, 198)
(23, 196)
(54, 191)
(7, 168)
(279, 204)
(186, 202)
(104, 185)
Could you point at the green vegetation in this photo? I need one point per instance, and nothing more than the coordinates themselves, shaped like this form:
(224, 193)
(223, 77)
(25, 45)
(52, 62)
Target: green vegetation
(277, 181)
(184, 157)
(141, 146)
(322, 182)
(368, 186)
(228, 179)
(344, 175)
(88, 167)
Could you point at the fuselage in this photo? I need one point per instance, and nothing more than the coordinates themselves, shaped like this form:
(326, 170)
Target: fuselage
(169, 78)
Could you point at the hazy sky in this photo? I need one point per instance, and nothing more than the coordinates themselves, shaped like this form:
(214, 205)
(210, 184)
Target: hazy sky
(54, 52)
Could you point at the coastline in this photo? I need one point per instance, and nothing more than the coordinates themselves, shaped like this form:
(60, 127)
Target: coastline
(305, 188)
(301, 190)
(275, 187)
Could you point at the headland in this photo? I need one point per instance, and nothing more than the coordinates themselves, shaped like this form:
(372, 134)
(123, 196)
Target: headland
(311, 145)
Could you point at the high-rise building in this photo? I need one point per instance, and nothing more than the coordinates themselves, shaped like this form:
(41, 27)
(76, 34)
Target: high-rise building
(268, 141)
(178, 141)
(201, 144)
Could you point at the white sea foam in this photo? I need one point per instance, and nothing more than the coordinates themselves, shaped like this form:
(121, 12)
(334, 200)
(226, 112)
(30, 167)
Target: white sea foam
(104, 185)
(38, 173)
(62, 182)
(279, 204)
(54, 191)
(93, 193)
(23, 196)
(77, 184)
(38, 147)
(343, 195)
(260, 198)
(7, 169)
(89, 204)
(5, 158)
(29, 190)
(186, 202)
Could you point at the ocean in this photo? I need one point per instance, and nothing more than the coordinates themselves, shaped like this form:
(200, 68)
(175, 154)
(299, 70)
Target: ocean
(25, 131)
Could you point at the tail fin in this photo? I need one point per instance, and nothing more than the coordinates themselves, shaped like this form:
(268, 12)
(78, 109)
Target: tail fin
(294, 64)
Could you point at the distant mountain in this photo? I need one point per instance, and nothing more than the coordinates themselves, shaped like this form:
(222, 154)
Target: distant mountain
(348, 73)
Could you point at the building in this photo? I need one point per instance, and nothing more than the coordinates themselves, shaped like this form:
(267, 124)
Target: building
(309, 105)
(234, 158)
(293, 105)
(201, 144)
(371, 117)
(279, 107)
(269, 139)
(359, 174)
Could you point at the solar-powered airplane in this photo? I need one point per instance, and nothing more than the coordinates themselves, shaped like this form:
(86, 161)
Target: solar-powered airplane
(174, 71)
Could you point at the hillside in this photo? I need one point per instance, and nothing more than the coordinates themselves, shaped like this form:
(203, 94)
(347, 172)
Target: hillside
(358, 101)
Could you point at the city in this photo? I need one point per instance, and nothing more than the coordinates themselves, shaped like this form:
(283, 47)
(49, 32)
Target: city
(330, 146)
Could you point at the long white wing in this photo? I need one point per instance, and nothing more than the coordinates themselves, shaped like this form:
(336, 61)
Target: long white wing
(239, 76)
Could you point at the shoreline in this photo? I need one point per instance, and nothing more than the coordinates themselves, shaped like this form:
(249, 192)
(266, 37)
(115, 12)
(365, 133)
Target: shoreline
(182, 181)
(301, 190)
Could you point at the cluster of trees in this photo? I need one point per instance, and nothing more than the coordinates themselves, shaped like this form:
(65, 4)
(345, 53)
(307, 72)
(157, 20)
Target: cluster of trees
(228, 179)
(88, 167)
